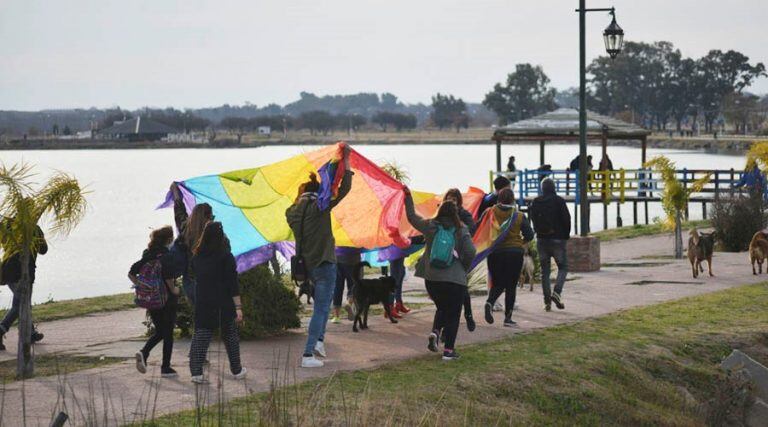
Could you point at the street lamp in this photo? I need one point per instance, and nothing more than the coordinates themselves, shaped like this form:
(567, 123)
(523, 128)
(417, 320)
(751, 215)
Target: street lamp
(614, 40)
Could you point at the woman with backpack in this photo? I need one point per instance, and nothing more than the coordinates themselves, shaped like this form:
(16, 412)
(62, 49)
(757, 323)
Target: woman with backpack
(447, 257)
(218, 301)
(506, 260)
(454, 195)
(154, 267)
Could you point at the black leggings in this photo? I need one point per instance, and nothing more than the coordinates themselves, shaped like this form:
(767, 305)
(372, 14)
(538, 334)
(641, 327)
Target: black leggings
(505, 267)
(201, 339)
(163, 320)
(448, 298)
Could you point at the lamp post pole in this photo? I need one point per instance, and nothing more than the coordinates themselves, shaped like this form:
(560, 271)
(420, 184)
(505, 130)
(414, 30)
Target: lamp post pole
(583, 172)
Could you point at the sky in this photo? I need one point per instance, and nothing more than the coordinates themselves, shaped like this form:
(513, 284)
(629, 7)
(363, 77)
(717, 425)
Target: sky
(195, 53)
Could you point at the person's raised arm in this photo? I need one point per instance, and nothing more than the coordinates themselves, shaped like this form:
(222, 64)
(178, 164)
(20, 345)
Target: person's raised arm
(346, 181)
(414, 219)
(179, 209)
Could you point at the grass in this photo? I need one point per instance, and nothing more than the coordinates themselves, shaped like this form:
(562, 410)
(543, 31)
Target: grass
(639, 230)
(56, 310)
(656, 365)
(56, 364)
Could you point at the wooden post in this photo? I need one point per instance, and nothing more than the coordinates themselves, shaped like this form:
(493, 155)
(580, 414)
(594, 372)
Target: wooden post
(498, 155)
(541, 152)
(605, 216)
(604, 143)
(643, 145)
(703, 210)
(575, 219)
(634, 212)
(646, 212)
(619, 221)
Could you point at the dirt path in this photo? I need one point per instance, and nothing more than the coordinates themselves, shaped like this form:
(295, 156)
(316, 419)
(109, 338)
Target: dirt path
(638, 272)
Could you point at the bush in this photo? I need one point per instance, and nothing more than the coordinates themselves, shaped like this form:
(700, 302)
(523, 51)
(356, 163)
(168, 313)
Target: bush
(269, 306)
(736, 217)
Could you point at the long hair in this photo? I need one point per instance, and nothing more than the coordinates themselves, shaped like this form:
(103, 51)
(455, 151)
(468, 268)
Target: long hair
(212, 241)
(456, 194)
(160, 237)
(311, 186)
(449, 212)
(200, 216)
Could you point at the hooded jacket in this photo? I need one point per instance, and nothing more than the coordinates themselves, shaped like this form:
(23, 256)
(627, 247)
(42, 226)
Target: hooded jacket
(550, 216)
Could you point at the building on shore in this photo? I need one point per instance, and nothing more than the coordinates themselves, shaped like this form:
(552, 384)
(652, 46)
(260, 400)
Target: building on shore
(137, 129)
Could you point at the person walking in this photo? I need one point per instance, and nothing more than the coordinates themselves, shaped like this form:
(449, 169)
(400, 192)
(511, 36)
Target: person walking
(506, 260)
(311, 228)
(454, 195)
(552, 223)
(190, 228)
(164, 318)
(11, 275)
(448, 255)
(346, 260)
(218, 303)
(489, 200)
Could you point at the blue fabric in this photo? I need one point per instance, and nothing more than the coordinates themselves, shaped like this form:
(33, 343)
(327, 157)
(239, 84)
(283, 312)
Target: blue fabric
(324, 278)
(753, 178)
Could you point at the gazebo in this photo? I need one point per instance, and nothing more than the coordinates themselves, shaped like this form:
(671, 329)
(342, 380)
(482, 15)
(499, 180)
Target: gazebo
(563, 125)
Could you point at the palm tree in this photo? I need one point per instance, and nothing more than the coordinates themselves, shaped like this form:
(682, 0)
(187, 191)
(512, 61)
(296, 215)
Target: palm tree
(396, 171)
(675, 197)
(61, 202)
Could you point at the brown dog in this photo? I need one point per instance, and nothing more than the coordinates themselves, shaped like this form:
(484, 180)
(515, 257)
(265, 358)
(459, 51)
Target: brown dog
(700, 249)
(758, 252)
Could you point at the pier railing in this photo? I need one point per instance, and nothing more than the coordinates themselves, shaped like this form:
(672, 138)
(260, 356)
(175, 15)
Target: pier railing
(622, 185)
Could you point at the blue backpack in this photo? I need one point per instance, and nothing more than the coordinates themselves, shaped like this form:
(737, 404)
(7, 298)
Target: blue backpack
(441, 252)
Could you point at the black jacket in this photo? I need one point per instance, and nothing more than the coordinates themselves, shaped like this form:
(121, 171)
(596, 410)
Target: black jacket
(466, 217)
(11, 268)
(216, 286)
(167, 270)
(550, 217)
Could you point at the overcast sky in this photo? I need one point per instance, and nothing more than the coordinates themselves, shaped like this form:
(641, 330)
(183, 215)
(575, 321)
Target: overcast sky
(195, 53)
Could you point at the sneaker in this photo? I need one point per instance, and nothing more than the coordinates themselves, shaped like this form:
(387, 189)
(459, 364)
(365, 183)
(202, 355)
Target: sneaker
(141, 362)
(37, 337)
(489, 313)
(168, 372)
(450, 355)
(311, 362)
(558, 301)
(432, 345)
(320, 349)
(393, 313)
(547, 307)
(508, 322)
(199, 379)
(335, 319)
(471, 323)
(240, 375)
(350, 312)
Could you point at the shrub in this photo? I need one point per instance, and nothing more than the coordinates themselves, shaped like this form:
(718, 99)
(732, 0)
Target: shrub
(269, 306)
(736, 217)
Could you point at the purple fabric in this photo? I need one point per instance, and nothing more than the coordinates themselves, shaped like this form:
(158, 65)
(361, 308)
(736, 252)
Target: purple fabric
(503, 235)
(327, 173)
(189, 199)
(263, 254)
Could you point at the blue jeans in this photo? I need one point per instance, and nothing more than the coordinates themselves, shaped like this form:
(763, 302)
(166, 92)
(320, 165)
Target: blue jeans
(324, 278)
(548, 249)
(397, 270)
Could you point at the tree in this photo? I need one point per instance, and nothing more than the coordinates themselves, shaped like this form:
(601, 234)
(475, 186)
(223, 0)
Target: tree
(526, 93)
(350, 122)
(61, 204)
(741, 110)
(67, 131)
(448, 111)
(317, 121)
(112, 116)
(237, 125)
(674, 197)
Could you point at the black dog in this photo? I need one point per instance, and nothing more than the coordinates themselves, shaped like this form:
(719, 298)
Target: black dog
(307, 288)
(367, 292)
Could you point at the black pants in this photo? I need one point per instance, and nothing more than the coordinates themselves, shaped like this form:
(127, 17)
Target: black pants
(163, 320)
(505, 267)
(448, 298)
(467, 304)
(201, 339)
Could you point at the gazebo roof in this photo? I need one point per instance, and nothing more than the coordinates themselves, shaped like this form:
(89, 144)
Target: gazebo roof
(564, 123)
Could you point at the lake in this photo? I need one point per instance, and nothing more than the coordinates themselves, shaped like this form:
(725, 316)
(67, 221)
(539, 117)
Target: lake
(126, 185)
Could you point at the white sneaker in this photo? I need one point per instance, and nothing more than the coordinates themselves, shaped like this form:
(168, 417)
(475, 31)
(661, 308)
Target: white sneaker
(240, 375)
(199, 379)
(311, 362)
(320, 348)
(141, 363)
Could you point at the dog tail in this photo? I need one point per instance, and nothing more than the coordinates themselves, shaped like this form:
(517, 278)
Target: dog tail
(360, 270)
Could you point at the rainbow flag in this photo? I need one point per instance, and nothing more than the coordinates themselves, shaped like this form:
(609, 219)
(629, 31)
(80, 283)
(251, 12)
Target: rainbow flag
(488, 234)
(251, 204)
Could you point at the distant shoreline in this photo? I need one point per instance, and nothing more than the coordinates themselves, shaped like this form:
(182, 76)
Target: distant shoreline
(715, 146)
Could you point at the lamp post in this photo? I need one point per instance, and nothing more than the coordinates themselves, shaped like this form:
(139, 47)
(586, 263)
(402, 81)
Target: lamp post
(614, 40)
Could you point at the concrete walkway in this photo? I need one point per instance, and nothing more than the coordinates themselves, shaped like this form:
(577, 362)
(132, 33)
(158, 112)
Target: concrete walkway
(638, 272)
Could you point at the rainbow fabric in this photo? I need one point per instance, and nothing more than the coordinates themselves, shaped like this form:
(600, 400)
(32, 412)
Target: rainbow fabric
(251, 204)
(488, 234)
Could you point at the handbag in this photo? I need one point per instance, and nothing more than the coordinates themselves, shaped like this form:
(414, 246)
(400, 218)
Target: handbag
(299, 273)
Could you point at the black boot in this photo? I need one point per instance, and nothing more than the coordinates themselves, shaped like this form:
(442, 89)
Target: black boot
(2, 346)
(37, 336)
